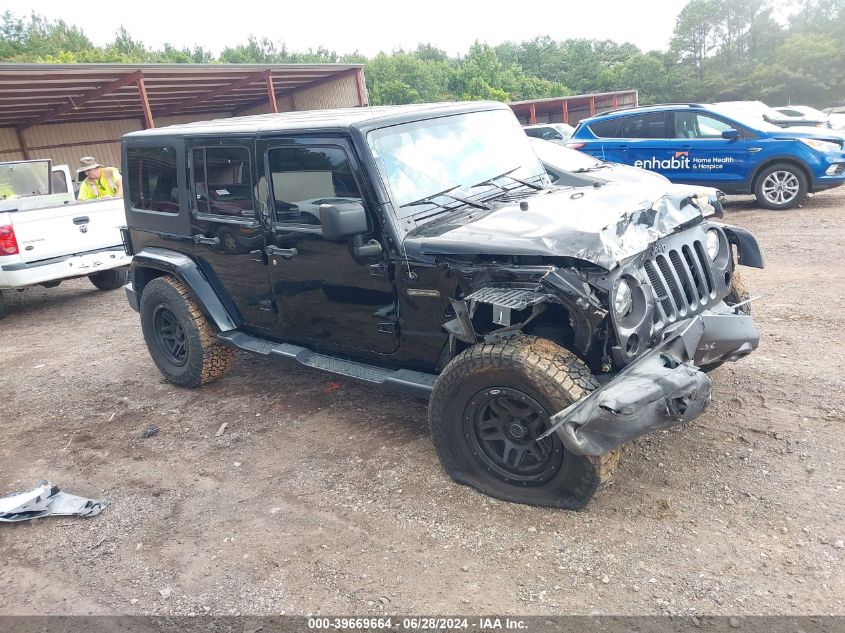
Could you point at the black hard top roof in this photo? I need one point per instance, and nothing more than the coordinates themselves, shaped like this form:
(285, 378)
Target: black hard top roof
(365, 119)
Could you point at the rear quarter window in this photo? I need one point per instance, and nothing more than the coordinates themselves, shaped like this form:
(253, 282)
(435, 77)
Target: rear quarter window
(605, 129)
(151, 179)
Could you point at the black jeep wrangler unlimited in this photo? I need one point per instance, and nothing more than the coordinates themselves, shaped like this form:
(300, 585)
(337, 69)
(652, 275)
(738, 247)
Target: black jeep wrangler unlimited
(423, 249)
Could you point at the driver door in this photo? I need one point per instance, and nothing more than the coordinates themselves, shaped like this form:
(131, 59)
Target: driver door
(327, 298)
(713, 161)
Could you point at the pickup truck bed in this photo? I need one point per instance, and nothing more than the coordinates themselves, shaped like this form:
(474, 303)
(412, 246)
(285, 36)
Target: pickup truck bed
(55, 243)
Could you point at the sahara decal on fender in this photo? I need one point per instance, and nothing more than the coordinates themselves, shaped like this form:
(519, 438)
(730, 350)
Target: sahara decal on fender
(419, 292)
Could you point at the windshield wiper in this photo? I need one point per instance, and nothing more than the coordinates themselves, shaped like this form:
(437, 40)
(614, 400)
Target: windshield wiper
(446, 193)
(428, 199)
(507, 174)
(582, 170)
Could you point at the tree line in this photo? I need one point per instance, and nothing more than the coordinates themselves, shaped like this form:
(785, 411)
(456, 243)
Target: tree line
(720, 50)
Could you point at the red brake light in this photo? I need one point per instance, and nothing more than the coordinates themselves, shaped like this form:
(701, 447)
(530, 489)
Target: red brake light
(8, 242)
(575, 145)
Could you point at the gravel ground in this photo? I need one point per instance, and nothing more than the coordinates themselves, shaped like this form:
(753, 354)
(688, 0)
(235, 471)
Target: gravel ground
(325, 496)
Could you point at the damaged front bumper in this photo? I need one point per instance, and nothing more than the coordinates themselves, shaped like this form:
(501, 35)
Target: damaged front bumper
(662, 388)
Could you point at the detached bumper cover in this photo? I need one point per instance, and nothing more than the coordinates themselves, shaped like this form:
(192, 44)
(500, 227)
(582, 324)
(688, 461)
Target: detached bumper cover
(662, 388)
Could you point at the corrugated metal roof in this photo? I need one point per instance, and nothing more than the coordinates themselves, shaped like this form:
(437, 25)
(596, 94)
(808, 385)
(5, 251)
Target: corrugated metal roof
(31, 94)
(593, 95)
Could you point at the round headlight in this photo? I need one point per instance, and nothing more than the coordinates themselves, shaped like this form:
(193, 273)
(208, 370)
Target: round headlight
(622, 300)
(712, 243)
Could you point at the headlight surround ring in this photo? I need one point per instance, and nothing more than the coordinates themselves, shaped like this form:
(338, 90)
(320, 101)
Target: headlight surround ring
(623, 299)
(713, 243)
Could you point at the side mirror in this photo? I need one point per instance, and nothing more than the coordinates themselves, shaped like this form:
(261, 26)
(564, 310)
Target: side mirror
(731, 135)
(343, 220)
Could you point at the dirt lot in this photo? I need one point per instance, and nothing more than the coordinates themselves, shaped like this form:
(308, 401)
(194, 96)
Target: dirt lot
(327, 497)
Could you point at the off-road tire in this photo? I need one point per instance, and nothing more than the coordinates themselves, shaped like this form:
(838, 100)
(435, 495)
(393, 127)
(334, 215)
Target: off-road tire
(738, 293)
(791, 172)
(541, 370)
(111, 279)
(206, 359)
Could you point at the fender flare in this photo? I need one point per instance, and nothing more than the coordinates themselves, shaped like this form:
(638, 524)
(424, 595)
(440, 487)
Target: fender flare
(748, 250)
(158, 260)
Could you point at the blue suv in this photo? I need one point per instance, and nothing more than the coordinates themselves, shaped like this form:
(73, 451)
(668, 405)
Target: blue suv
(700, 145)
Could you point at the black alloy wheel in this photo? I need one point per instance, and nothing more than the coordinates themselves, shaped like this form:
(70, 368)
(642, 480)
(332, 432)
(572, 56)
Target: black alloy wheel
(170, 336)
(502, 425)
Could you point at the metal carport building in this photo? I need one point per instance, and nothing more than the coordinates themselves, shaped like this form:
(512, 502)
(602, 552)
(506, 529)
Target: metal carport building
(64, 111)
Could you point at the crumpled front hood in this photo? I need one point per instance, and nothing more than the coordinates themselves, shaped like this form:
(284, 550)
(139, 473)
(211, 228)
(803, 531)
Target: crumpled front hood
(601, 225)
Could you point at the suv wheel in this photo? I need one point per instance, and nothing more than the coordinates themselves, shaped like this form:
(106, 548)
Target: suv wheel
(2, 305)
(781, 186)
(111, 279)
(489, 406)
(181, 342)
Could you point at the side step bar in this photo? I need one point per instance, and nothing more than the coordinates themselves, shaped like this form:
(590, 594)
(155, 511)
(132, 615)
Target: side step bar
(412, 383)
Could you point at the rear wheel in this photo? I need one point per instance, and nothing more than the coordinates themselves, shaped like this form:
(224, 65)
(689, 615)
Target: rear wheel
(781, 186)
(111, 279)
(2, 305)
(182, 343)
(488, 409)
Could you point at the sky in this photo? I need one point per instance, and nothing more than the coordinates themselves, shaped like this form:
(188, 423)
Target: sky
(366, 26)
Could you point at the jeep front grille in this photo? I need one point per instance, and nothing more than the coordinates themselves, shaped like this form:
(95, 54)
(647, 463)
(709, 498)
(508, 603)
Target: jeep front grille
(682, 280)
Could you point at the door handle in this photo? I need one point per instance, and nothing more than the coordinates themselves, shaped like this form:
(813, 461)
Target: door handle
(287, 253)
(82, 219)
(202, 239)
(622, 148)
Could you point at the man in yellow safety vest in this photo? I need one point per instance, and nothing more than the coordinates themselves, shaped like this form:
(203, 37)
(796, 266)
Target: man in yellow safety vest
(100, 182)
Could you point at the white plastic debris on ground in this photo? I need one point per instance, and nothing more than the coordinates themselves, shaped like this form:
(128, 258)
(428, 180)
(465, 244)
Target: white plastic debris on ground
(46, 500)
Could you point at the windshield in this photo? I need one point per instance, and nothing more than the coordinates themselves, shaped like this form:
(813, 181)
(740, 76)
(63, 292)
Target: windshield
(563, 158)
(451, 154)
(23, 179)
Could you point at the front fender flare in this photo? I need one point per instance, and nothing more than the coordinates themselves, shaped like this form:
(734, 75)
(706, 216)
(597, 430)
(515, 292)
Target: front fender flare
(748, 250)
(185, 269)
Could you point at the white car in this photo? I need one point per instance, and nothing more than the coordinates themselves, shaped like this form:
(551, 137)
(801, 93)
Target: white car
(47, 236)
(554, 132)
(805, 114)
(570, 167)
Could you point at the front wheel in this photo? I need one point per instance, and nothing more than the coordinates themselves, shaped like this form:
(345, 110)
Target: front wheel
(488, 408)
(111, 279)
(781, 186)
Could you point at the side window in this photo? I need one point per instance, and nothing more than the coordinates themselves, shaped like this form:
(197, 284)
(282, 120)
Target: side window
(151, 179)
(303, 178)
(652, 125)
(695, 125)
(545, 133)
(59, 182)
(605, 129)
(221, 182)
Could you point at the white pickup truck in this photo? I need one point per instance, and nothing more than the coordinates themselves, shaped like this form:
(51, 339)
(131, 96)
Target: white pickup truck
(47, 236)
